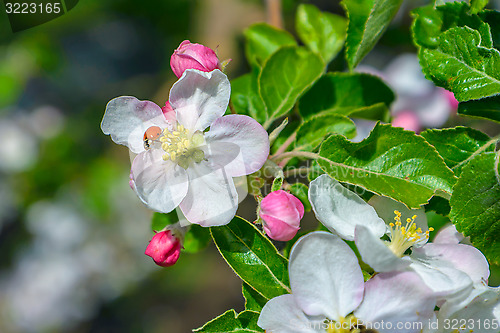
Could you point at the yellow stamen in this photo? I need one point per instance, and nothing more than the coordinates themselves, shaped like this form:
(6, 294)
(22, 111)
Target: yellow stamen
(403, 237)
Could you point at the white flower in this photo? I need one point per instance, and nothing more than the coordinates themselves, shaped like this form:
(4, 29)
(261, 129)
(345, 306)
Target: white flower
(327, 285)
(479, 312)
(178, 162)
(448, 269)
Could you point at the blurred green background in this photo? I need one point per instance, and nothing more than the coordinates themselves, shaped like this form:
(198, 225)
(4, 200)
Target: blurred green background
(72, 233)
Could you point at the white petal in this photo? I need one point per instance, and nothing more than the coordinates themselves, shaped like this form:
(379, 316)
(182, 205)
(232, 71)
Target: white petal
(246, 134)
(212, 199)
(481, 315)
(375, 253)
(466, 258)
(161, 185)
(448, 235)
(340, 209)
(325, 276)
(282, 315)
(442, 278)
(199, 98)
(385, 208)
(127, 118)
(396, 298)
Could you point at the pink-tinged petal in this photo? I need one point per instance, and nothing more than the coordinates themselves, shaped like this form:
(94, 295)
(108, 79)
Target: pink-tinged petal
(375, 252)
(169, 113)
(466, 258)
(246, 133)
(448, 235)
(385, 208)
(325, 276)
(161, 185)
(340, 209)
(127, 118)
(397, 299)
(212, 199)
(445, 280)
(282, 315)
(199, 98)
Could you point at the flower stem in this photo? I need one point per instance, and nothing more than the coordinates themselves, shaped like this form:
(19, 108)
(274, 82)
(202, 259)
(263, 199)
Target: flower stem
(231, 107)
(303, 154)
(273, 9)
(286, 144)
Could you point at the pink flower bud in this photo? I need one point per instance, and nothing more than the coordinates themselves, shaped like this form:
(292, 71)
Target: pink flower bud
(164, 248)
(169, 113)
(281, 213)
(193, 56)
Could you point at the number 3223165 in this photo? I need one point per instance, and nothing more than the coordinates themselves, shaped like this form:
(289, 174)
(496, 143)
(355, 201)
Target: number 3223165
(33, 8)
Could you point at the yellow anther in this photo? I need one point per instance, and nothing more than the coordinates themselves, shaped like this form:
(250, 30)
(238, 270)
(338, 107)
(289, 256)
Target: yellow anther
(419, 230)
(391, 224)
(165, 157)
(172, 156)
(408, 220)
(431, 229)
(414, 217)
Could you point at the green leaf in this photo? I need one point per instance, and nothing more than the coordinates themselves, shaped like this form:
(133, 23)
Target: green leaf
(492, 18)
(196, 239)
(430, 22)
(311, 132)
(368, 20)
(392, 162)
(301, 191)
(262, 40)
(277, 182)
(439, 205)
(230, 321)
(253, 257)
(460, 65)
(253, 300)
(160, 221)
(457, 145)
(357, 94)
(322, 32)
(477, 5)
(286, 75)
(475, 204)
(488, 108)
(245, 97)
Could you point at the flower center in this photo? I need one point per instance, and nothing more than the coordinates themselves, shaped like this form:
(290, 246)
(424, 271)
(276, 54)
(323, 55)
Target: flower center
(180, 146)
(403, 237)
(351, 324)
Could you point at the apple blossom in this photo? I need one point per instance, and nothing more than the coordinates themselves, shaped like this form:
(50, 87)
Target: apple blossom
(328, 291)
(448, 269)
(281, 213)
(193, 56)
(178, 162)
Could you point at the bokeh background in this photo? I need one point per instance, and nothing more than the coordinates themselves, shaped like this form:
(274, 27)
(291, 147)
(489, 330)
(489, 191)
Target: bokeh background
(72, 233)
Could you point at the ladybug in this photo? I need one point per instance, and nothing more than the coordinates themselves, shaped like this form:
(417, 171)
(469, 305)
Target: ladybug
(151, 134)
